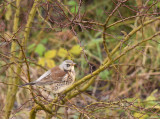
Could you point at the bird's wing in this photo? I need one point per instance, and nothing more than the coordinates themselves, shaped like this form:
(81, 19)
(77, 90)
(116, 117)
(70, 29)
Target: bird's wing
(46, 74)
(54, 75)
(58, 74)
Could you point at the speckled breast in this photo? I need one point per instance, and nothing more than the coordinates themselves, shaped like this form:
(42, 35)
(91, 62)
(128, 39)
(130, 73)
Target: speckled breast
(61, 86)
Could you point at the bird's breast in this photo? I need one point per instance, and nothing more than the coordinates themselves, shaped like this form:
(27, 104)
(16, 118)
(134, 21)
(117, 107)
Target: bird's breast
(61, 86)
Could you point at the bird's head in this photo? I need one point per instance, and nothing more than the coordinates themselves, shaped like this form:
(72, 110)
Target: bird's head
(67, 65)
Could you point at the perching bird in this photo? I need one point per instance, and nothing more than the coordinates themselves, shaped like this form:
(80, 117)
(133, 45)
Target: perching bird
(59, 78)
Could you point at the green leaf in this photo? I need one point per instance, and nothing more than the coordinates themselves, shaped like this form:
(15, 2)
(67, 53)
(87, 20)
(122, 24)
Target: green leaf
(104, 74)
(150, 2)
(74, 9)
(44, 41)
(30, 47)
(40, 49)
(72, 3)
(50, 54)
(158, 4)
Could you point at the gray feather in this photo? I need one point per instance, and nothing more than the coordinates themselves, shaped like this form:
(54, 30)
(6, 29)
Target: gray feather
(31, 83)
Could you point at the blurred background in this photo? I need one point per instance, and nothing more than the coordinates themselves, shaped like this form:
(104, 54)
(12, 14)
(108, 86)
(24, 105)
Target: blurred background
(36, 35)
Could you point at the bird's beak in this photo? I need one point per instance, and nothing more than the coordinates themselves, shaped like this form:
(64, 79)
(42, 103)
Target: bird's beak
(74, 64)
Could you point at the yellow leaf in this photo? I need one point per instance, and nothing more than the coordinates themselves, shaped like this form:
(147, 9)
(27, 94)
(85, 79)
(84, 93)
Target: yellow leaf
(75, 50)
(50, 54)
(41, 61)
(62, 52)
(151, 100)
(156, 107)
(50, 63)
(8, 13)
(140, 115)
(70, 56)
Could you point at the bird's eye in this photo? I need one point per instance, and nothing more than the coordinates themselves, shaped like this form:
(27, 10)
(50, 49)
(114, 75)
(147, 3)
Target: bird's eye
(68, 65)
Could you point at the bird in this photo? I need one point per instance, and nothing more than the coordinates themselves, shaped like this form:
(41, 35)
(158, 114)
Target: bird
(59, 78)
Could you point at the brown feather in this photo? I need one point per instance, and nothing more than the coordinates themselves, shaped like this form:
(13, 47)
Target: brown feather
(56, 76)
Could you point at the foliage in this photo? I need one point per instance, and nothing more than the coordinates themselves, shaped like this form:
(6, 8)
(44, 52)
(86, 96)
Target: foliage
(47, 59)
(115, 44)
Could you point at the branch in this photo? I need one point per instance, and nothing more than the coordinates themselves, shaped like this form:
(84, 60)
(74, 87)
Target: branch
(12, 89)
(131, 34)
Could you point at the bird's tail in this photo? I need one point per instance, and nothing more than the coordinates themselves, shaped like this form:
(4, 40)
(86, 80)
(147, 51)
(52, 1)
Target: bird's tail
(31, 83)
